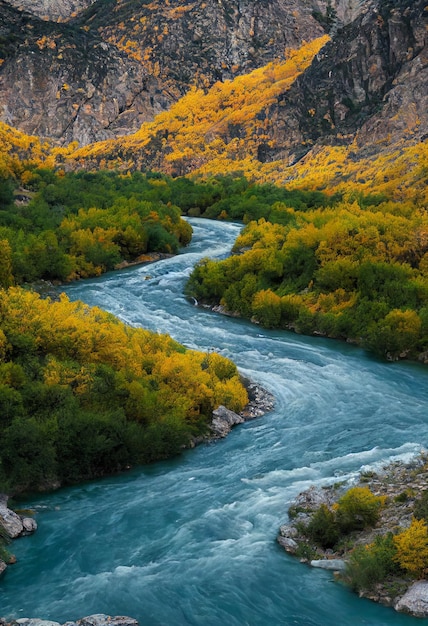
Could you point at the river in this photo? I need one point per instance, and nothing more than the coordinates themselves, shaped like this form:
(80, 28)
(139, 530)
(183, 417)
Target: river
(191, 541)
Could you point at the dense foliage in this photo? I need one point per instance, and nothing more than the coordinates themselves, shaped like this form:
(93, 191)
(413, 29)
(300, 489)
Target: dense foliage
(81, 394)
(227, 120)
(356, 269)
(66, 226)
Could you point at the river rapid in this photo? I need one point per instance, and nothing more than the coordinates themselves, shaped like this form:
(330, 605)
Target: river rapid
(192, 541)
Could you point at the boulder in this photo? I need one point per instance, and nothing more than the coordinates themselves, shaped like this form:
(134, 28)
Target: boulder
(106, 620)
(29, 525)
(288, 544)
(337, 565)
(223, 421)
(11, 522)
(415, 600)
(14, 524)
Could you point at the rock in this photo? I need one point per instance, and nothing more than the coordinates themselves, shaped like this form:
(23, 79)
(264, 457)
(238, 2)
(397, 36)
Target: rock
(14, 524)
(11, 522)
(29, 525)
(415, 600)
(337, 565)
(224, 420)
(3, 566)
(106, 620)
(288, 544)
(288, 531)
(92, 620)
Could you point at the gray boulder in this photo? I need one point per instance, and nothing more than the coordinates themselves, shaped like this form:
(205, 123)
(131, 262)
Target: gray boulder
(415, 600)
(223, 421)
(337, 565)
(106, 620)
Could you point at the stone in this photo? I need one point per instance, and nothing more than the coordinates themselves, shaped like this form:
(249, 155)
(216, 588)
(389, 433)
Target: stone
(3, 566)
(415, 600)
(106, 620)
(29, 525)
(11, 522)
(223, 421)
(288, 544)
(337, 565)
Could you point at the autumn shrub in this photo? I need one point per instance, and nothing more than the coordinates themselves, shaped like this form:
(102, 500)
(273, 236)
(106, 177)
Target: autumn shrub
(357, 509)
(412, 548)
(82, 395)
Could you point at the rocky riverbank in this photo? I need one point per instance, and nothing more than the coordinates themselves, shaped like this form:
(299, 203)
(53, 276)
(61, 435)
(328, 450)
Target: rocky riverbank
(91, 620)
(260, 402)
(400, 486)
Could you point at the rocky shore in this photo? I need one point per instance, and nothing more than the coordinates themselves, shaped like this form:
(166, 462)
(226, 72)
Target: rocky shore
(400, 485)
(92, 620)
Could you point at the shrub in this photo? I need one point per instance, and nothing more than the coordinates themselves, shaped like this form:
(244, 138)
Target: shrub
(412, 548)
(323, 529)
(372, 564)
(421, 507)
(357, 509)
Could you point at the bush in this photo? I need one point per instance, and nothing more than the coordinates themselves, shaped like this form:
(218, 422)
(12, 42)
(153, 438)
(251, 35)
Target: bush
(323, 529)
(421, 507)
(412, 548)
(357, 509)
(372, 564)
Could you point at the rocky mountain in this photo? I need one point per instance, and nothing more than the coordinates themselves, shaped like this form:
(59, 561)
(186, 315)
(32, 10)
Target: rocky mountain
(369, 83)
(56, 10)
(365, 92)
(119, 62)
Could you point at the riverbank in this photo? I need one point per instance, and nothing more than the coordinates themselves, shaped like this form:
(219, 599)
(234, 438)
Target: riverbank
(223, 420)
(399, 487)
(91, 620)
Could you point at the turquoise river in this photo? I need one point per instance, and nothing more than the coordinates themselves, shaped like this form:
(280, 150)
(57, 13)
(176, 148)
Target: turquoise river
(192, 541)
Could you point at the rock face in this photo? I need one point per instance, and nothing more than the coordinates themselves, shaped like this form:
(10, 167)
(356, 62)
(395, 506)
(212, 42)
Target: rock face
(56, 10)
(369, 83)
(117, 64)
(415, 600)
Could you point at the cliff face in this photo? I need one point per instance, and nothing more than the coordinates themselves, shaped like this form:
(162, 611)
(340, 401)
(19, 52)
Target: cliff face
(56, 10)
(119, 62)
(370, 82)
(60, 82)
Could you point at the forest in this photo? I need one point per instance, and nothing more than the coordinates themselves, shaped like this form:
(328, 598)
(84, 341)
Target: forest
(355, 269)
(83, 395)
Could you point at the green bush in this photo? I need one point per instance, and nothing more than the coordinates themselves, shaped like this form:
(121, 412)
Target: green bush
(372, 564)
(421, 507)
(323, 529)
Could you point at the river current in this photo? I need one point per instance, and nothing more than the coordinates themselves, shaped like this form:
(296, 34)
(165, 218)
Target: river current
(191, 541)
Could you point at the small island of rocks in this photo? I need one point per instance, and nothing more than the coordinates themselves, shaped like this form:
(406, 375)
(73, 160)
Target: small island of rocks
(373, 536)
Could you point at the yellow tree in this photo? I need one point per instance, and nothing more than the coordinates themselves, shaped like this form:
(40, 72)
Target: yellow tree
(412, 548)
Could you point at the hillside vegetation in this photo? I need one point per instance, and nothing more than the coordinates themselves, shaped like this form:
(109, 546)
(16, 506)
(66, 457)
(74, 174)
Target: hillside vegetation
(227, 120)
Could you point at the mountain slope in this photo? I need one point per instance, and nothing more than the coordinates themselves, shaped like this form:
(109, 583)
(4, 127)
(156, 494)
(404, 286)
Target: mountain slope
(120, 62)
(358, 112)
